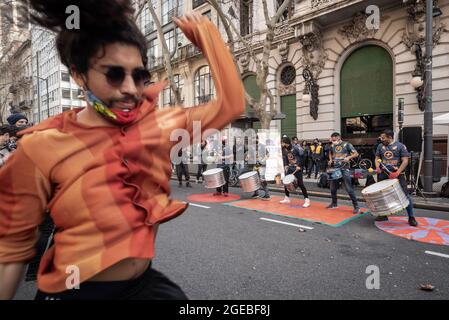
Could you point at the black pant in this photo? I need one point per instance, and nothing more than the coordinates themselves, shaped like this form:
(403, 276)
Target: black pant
(182, 169)
(225, 187)
(201, 169)
(151, 285)
(314, 163)
(301, 185)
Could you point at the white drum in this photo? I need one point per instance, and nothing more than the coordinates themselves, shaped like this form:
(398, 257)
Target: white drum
(290, 182)
(385, 198)
(214, 178)
(250, 181)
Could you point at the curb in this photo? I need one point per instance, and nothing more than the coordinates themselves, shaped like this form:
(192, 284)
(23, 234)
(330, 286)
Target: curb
(416, 204)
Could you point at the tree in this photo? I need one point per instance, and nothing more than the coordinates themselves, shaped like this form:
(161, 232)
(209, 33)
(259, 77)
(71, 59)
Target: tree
(260, 60)
(12, 38)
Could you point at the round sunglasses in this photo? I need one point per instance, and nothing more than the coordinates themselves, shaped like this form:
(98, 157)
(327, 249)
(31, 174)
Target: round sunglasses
(115, 75)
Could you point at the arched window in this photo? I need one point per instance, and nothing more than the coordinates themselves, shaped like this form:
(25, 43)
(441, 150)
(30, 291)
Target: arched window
(203, 85)
(366, 92)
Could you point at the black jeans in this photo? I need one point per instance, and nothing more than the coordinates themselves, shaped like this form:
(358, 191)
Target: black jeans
(225, 187)
(301, 185)
(201, 169)
(182, 169)
(403, 182)
(347, 181)
(151, 285)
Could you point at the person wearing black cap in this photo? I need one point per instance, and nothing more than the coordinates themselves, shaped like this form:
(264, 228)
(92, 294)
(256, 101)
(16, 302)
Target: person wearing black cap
(17, 119)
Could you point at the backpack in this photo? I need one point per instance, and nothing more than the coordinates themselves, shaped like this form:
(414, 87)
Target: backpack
(324, 181)
(445, 190)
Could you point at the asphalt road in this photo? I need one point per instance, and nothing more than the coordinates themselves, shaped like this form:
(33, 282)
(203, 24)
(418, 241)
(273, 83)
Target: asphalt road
(224, 252)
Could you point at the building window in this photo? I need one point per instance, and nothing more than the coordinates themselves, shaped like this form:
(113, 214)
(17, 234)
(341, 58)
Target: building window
(153, 53)
(197, 3)
(171, 40)
(203, 85)
(146, 19)
(75, 94)
(246, 17)
(288, 75)
(65, 77)
(171, 8)
(168, 95)
(66, 93)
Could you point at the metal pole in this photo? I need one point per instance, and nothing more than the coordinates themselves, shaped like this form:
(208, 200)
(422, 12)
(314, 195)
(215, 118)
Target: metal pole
(48, 101)
(400, 117)
(428, 114)
(38, 89)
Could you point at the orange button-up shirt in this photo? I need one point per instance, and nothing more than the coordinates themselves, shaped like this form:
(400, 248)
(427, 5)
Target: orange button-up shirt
(105, 187)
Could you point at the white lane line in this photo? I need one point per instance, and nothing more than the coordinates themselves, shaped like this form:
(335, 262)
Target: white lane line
(198, 205)
(287, 223)
(437, 254)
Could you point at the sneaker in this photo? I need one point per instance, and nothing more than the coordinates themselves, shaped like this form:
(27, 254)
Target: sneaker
(265, 198)
(188, 185)
(381, 218)
(356, 210)
(225, 194)
(180, 185)
(412, 221)
(286, 200)
(306, 203)
(332, 206)
(255, 195)
(216, 194)
(197, 181)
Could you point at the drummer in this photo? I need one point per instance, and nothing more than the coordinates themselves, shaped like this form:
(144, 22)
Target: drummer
(391, 162)
(293, 165)
(340, 156)
(256, 157)
(226, 158)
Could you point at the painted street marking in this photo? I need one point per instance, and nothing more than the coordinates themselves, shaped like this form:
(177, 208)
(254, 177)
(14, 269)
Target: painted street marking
(287, 223)
(198, 205)
(437, 254)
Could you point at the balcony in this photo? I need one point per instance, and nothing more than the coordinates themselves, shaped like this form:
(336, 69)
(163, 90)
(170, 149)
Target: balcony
(184, 53)
(204, 99)
(197, 3)
(328, 12)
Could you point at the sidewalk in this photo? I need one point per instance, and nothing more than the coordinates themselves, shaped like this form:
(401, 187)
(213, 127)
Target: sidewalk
(439, 204)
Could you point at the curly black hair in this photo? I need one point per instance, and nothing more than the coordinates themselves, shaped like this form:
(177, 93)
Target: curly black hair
(102, 22)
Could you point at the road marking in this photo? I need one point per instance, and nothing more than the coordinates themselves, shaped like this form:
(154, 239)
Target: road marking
(437, 254)
(198, 205)
(287, 223)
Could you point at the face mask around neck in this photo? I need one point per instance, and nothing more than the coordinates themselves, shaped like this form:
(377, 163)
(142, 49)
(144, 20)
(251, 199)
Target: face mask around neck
(114, 116)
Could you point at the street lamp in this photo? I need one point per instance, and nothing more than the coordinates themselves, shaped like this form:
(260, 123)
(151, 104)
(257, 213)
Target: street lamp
(416, 82)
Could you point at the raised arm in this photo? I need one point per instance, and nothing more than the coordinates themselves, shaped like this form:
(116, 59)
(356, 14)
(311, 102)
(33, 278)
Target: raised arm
(230, 101)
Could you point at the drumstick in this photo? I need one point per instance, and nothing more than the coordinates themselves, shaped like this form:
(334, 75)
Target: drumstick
(385, 168)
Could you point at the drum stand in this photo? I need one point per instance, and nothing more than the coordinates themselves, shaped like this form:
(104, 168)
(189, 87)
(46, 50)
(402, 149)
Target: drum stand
(414, 182)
